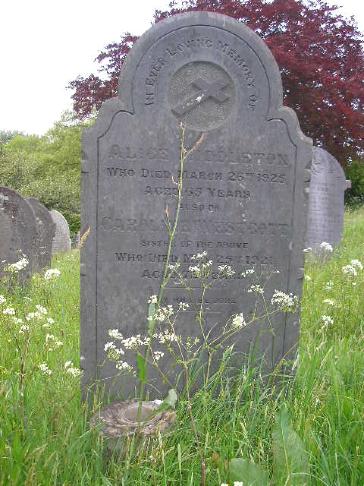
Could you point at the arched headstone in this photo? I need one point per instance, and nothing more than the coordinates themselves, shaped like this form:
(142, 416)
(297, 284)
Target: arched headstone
(45, 231)
(326, 200)
(245, 188)
(18, 232)
(62, 240)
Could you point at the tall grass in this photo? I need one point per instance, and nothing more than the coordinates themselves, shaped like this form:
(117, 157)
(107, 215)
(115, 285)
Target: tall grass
(44, 433)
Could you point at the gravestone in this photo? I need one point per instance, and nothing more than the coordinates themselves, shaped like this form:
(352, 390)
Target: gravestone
(62, 239)
(18, 232)
(326, 200)
(45, 232)
(245, 189)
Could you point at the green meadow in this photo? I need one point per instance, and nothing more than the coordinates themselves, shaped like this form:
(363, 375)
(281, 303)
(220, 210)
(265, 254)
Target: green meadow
(45, 438)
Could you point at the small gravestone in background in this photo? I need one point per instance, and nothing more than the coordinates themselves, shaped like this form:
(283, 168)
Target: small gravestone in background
(244, 199)
(326, 200)
(62, 240)
(18, 232)
(45, 232)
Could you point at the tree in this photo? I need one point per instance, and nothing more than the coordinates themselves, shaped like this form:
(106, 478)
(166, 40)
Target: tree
(318, 51)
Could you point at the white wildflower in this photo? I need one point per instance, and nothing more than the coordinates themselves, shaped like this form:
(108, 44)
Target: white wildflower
(327, 320)
(124, 366)
(52, 273)
(135, 342)
(74, 371)
(174, 266)
(44, 369)
(2, 299)
(326, 247)
(329, 285)
(238, 483)
(331, 302)
(308, 278)
(166, 337)
(115, 334)
(257, 289)
(17, 320)
(68, 364)
(226, 270)
(287, 302)
(238, 321)
(157, 355)
(307, 250)
(158, 402)
(182, 306)
(108, 346)
(41, 310)
(357, 264)
(162, 314)
(18, 266)
(195, 270)
(199, 256)
(23, 329)
(9, 311)
(349, 270)
(153, 299)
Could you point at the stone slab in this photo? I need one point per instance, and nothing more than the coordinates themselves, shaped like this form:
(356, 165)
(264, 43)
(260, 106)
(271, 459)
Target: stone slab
(18, 232)
(46, 231)
(326, 201)
(62, 239)
(244, 197)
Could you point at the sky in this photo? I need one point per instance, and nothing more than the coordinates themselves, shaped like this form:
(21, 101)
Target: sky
(45, 44)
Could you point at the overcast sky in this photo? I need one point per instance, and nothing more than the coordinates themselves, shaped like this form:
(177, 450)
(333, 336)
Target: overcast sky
(47, 43)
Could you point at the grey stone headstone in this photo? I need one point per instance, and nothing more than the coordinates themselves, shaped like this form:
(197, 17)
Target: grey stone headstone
(326, 200)
(62, 239)
(45, 233)
(245, 188)
(18, 232)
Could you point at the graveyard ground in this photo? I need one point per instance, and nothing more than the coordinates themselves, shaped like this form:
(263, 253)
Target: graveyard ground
(45, 439)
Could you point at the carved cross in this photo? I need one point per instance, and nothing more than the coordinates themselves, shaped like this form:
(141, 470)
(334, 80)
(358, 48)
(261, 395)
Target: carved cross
(206, 90)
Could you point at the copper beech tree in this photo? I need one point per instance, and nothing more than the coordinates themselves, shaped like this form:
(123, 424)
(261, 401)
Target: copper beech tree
(319, 53)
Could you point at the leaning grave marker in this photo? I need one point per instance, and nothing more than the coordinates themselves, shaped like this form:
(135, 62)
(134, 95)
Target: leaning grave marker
(61, 240)
(245, 186)
(326, 200)
(18, 232)
(45, 232)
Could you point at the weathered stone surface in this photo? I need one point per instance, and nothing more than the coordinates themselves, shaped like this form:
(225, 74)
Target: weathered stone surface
(326, 200)
(45, 234)
(244, 197)
(18, 232)
(62, 240)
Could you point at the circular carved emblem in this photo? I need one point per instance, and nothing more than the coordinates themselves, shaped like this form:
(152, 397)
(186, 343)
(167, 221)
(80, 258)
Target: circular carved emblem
(202, 95)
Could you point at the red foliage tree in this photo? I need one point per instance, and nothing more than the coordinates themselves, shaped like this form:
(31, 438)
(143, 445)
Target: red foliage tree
(318, 51)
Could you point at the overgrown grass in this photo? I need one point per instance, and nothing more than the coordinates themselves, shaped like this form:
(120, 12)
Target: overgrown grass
(44, 434)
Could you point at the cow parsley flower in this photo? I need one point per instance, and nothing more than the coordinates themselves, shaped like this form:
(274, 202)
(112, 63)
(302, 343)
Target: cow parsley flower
(153, 299)
(24, 329)
(327, 320)
(115, 334)
(357, 264)
(157, 355)
(326, 247)
(9, 311)
(329, 285)
(124, 366)
(349, 270)
(182, 306)
(18, 266)
(52, 274)
(226, 270)
(258, 289)
(286, 302)
(331, 302)
(238, 321)
(44, 369)
(2, 299)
